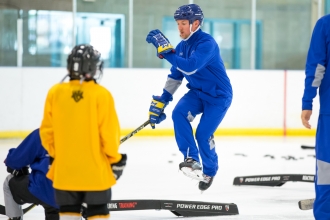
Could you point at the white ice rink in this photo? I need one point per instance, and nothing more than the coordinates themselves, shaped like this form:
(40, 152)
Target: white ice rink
(152, 173)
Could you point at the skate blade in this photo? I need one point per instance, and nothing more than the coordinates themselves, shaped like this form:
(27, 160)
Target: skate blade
(194, 174)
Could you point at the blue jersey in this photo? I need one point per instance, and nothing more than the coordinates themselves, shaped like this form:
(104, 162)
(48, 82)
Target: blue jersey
(31, 152)
(198, 60)
(317, 71)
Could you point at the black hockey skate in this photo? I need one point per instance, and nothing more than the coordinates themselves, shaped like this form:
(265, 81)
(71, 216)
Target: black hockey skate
(205, 183)
(192, 169)
(16, 218)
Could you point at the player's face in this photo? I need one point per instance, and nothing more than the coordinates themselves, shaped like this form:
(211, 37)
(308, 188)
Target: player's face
(184, 27)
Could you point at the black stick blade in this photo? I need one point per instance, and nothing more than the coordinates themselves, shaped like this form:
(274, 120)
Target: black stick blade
(272, 179)
(177, 207)
(196, 208)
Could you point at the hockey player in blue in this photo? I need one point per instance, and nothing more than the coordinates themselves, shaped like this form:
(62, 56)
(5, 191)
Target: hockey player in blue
(318, 77)
(197, 59)
(20, 187)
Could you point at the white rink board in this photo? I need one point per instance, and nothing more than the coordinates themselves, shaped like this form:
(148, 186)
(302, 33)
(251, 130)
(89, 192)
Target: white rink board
(258, 100)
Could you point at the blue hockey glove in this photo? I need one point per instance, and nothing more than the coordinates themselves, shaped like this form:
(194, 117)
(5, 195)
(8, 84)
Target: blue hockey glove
(163, 45)
(118, 168)
(156, 109)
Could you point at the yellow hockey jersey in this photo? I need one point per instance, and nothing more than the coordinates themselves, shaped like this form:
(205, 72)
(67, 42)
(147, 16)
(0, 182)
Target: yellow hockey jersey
(80, 130)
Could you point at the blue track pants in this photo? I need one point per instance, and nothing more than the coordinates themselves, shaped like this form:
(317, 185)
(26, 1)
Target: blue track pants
(322, 182)
(184, 112)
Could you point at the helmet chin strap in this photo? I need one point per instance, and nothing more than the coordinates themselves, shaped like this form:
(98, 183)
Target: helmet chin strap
(64, 78)
(191, 32)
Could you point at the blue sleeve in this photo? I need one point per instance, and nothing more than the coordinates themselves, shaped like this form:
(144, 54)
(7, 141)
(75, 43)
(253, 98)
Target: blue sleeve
(166, 96)
(315, 64)
(196, 61)
(173, 82)
(26, 152)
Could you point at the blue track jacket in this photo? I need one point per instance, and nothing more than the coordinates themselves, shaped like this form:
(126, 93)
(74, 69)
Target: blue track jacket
(197, 59)
(317, 72)
(31, 152)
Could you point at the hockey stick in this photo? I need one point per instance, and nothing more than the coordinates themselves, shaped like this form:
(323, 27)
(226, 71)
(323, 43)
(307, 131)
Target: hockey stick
(306, 204)
(134, 132)
(177, 207)
(29, 208)
(273, 179)
(305, 147)
(25, 210)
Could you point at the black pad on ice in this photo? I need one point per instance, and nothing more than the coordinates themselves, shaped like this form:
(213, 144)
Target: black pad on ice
(272, 179)
(177, 207)
(307, 147)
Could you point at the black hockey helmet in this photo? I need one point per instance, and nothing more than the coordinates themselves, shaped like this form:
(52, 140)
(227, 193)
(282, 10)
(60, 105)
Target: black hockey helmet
(84, 62)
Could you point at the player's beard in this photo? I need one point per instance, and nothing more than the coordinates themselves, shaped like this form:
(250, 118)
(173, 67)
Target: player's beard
(183, 36)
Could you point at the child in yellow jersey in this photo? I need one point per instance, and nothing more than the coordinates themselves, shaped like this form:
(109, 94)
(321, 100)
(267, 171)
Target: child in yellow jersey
(80, 131)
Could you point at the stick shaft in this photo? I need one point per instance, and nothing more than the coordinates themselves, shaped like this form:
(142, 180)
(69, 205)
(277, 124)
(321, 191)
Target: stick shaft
(134, 132)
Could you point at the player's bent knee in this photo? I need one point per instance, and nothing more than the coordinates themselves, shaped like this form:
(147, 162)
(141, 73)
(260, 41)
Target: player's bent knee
(179, 116)
(175, 113)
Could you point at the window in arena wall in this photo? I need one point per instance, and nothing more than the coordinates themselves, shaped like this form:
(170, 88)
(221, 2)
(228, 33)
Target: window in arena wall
(233, 37)
(50, 37)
